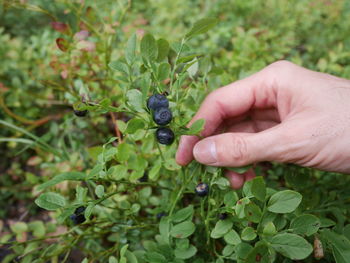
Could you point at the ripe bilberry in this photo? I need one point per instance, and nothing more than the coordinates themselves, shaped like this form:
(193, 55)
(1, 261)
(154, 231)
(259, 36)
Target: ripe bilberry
(165, 136)
(78, 216)
(162, 116)
(202, 189)
(80, 113)
(157, 101)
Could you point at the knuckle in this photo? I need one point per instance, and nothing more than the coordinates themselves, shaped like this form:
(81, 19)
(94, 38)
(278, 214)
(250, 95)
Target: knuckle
(280, 64)
(276, 73)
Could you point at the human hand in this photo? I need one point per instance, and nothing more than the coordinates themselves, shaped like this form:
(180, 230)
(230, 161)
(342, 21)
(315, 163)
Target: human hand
(284, 113)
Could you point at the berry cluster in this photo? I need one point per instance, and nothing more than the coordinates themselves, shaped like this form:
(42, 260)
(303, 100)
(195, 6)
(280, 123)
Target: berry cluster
(78, 216)
(158, 104)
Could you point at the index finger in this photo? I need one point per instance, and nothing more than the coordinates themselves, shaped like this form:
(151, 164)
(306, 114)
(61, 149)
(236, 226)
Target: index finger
(229, 101)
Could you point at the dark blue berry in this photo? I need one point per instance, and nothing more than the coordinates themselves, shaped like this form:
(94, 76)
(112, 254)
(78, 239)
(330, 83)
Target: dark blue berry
(78, 216)
(165, 136)
(79, 219)
(79, 210)
(202, 189)
(157, 101)
(162, 116)
(80, 113)
(144, 178)
(222, 216)
(160, 215)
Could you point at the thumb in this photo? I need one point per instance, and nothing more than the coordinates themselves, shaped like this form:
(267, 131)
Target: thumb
(239, 149)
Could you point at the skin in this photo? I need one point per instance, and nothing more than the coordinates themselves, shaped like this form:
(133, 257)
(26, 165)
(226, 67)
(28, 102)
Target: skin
(283, 113)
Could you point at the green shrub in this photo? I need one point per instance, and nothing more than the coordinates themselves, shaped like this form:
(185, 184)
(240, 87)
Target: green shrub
(97, 186)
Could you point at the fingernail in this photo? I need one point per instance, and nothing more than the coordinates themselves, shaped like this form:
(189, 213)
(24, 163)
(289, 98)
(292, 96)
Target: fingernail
(205, 152)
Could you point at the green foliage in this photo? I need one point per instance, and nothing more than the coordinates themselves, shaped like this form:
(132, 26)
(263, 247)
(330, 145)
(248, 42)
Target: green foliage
(108, 57)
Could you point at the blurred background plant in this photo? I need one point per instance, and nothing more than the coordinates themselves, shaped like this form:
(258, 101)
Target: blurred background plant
(56, 55)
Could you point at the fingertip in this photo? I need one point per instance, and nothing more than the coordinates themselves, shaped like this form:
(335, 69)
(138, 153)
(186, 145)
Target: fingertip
(180, 159)
(184, 154)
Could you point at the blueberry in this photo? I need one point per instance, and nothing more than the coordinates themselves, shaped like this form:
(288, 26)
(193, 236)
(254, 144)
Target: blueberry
(144, 178)
(165, 136)
(157, 101)
(77, 219)
(222, 216)
(80, 113)
(162, 116)
(202, 189)
(79, 210)
(160, 215)
(78, 216)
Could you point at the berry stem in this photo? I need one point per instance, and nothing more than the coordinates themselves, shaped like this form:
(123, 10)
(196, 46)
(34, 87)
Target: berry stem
(175, 63)
(160, 152)
(183, 186)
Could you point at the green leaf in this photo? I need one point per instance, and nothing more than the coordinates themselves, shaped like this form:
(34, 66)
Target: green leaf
(131, 257)
(163, 49)
(253, 212)
(135, 175)
(112, 259)
(154, 172)
(124, 151)
(185, 253)
(291, 246)
(164, 228)
(221, 228)
(99, 191)
(88, 210)
(202, 26)
(71, 176)
(38, 228)
(242, 250)
(259, 254)
(192, 68)
(232, 237)
(149, 49)
(269, 229)
(154, 257)
(163, 71)
(239, 170)
(81, 193)
(340, 245)
(183, 214)
(188, 58)
(133, 125)
(121, 125)
(50, 201)
(130, 49)
(248, 234)
(117, 172)
(135, 100)
(222, 182)
(182, 243)
(183, 230)
(19, 227)
(305, 225)
(119, 66)
(258, 188)
(228, 250)
(239, 209)
(196, 127)
(284, 201)
(230, 198)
